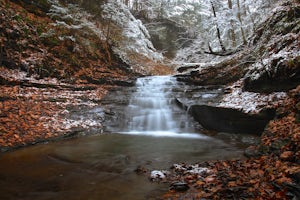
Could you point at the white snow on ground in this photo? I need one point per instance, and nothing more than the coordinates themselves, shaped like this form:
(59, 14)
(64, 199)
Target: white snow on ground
(17, 75)
(191, 169)
(250, 102)
(61, 124)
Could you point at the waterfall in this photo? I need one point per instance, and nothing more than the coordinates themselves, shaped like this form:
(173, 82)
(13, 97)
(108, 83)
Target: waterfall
(149, 108)
(152, 110)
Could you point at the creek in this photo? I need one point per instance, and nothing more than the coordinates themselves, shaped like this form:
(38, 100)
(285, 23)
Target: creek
(143, 127)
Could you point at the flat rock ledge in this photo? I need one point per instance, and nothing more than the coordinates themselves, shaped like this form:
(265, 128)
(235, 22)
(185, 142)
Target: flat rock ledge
(231, 120)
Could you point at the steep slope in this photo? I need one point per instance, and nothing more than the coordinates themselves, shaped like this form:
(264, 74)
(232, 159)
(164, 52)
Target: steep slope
(49, 67)
(39, 45)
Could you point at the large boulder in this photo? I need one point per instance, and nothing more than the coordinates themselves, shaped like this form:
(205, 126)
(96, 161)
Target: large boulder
(231, 120)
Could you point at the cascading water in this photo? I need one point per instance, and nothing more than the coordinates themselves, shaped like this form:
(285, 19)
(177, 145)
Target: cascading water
(149, 108)
(152, 110)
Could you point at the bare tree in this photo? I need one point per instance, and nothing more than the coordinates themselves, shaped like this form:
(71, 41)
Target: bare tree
(239, 16)
(218, 29)
(231, 30)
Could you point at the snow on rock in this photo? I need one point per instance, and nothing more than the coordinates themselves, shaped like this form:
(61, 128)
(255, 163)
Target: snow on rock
(83, 123)
(191, 169)
(277, 55)
(136, 38)
(157, 175)
(250, 102)
(62, 124)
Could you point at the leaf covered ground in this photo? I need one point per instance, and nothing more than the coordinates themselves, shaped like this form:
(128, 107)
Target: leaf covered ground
(271, 170)
(38, 110)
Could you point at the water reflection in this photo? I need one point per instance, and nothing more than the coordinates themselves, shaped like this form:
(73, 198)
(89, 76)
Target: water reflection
(100, 167)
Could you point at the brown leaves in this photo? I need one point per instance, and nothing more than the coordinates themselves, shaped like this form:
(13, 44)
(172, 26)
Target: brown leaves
(37, 111)
(261, 178)
(23, 122)
(287, 155)
(265, 177)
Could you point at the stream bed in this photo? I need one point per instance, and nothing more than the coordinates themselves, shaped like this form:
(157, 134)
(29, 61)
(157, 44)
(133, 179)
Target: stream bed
(143, 127)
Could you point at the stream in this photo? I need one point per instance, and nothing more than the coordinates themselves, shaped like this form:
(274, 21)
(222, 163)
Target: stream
(143, 127)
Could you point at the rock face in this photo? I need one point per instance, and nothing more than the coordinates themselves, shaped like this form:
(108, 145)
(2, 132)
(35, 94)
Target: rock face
(231, 120)
(277, 42)
(215, 74)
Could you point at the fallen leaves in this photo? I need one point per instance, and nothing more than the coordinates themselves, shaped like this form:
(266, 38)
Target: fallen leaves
(262, 178)
(272, 174)
(23, 122)
(38, 111)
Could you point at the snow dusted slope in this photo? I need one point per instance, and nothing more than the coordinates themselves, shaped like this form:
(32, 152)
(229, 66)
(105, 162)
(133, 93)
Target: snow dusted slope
(135, 39)
(114, 24)
(236, 25)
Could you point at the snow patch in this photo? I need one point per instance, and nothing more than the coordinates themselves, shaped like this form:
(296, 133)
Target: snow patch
(191, 169)
(250, 102)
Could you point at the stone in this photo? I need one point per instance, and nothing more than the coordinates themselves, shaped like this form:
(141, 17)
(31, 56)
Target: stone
(157, 175)
(179, 186)
(231, 120)
(252, 152)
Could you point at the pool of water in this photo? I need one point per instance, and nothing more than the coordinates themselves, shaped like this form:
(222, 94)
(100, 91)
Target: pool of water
(102, 167)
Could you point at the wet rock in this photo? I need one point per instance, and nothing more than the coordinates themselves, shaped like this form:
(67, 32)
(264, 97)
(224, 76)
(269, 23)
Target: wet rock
(296, 177)
(180, 104)
(231, 120)
(179, 186)
(111, 81)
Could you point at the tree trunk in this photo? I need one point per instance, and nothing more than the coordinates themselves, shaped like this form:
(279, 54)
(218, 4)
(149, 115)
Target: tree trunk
(230, 4)
(232, 34)
(231, 30)
(241, 22)
(127, 3)
(218, 29)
